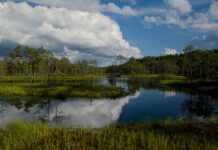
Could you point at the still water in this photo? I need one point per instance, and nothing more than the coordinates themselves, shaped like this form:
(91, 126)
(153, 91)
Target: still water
(146, 100)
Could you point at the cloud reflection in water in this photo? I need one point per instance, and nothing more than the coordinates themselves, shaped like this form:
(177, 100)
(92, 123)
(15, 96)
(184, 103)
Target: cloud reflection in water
(73, 112)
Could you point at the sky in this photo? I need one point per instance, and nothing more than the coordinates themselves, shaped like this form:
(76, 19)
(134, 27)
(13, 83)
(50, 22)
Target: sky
(104, 29)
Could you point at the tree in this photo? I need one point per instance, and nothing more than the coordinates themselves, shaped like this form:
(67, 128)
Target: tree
(120, 59)
(133, 67)
(2, 68)
(188, 49)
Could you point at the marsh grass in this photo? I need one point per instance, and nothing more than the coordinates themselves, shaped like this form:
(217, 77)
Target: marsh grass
(61, 91)
(170, 76)
(51, 77)
(152, 136)
(206, 87)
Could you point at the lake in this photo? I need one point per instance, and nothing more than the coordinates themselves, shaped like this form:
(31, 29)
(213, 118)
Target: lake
(146, 101)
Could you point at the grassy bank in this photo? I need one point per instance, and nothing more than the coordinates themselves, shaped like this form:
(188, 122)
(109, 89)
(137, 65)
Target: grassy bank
(152, 136)
(208, 87)
(45, 78)
(78, 77)
(61, 91)
(171, 76)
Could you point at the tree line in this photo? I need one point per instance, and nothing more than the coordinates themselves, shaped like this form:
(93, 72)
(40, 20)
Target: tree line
(24, 60)
(193, 63)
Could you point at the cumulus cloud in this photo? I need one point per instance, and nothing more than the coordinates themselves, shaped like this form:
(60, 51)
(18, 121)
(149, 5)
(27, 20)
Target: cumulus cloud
(199, 21)
(182, 5)
(60, 28)
(88, 5)
(126, 10)
(169, 51)
(213, 11)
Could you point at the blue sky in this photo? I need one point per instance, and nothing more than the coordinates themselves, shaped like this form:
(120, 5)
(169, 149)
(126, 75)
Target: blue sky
(103, 29)
(153, 40)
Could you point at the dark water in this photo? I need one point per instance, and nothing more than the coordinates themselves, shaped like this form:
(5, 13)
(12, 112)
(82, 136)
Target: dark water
(147, 101)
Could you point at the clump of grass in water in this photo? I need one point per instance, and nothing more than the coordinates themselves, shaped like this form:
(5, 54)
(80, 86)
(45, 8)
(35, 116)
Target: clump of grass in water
(62, 91)
(152, 136)
(11, 90)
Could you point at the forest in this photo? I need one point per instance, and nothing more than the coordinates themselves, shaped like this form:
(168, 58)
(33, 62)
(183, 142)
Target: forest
(192, 63)
(24, 60)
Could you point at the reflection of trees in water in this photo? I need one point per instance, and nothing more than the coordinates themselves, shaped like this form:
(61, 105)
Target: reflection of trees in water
(112, 81)
(134, 84)
(58, 118)
(119, 82)
(43, 114)
(200, 105)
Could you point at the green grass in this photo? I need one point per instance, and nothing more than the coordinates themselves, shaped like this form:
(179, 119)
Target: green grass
(77, 77)
(171, 76)
(208, 87)
(152, 136)
(52, 77)
(61, 91)
(140, 75)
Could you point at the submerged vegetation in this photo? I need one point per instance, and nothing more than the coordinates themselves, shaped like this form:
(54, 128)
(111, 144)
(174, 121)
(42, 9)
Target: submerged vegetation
(180, 135)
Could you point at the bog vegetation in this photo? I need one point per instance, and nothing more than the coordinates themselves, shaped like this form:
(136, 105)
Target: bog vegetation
(180, 135)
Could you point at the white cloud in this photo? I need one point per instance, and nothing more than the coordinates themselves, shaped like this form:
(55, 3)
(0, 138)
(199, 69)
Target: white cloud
(83, 5)
(126, 10)
(169, 51)
(152, 20)
(182, 5)
(56, 28)
(213, 11)
(200, 21)
(71, 55)
(88, 5)
(133, 2)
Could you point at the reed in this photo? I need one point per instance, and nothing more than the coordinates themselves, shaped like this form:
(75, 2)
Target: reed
(181, 135)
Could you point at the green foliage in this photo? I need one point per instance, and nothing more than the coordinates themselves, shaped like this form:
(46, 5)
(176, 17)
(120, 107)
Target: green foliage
(181, 135)
(24, 60)
(2, 68)
(61, 91)
(195, 64)
(188, 49)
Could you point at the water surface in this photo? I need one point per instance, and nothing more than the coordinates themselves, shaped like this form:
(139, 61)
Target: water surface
(147, 100)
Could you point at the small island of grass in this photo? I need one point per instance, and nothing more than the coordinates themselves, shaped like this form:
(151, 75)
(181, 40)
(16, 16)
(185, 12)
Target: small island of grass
(61, 91)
